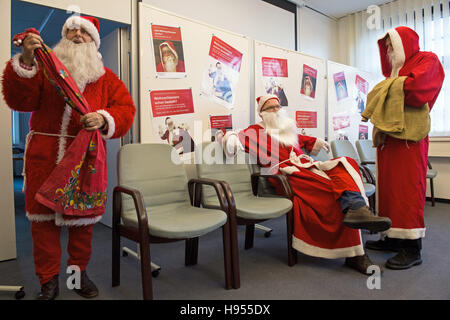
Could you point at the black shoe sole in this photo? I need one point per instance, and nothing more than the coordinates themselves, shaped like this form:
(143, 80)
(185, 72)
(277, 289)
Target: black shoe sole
(403, 267)
(371, 226)
(85, 295)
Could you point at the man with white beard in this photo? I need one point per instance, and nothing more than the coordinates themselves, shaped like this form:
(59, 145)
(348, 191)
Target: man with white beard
(170, 62)
(53, 127)
(328, 197)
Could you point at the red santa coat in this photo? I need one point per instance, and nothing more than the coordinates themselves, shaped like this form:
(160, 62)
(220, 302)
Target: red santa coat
(316, 186)
(55, 125)
(402, 165)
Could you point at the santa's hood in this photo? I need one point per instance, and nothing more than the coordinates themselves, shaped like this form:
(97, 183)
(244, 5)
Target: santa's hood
(170, 45)
(405, 42)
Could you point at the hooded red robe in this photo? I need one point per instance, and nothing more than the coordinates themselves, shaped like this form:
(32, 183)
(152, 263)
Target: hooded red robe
(402, 165)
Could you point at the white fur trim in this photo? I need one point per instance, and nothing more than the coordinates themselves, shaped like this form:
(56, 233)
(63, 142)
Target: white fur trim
(40, 217)
(231, 144)
(111, 124)
(327, 253)
(405, 234)
(21, 72)
(325, 166)
(399, 51)
(62, 139)
(318, 146)
(60, 222)
(75, 22)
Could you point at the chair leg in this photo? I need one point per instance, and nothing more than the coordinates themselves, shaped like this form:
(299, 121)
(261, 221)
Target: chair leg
(292, 253)
(191, 252)
(146, 268)
(235, 255)
(432, 192)
(116, 256)
(229, 276)
(249, 236)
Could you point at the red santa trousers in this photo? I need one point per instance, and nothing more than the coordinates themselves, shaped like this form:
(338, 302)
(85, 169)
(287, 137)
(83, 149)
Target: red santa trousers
(318, 228)
(47, 248)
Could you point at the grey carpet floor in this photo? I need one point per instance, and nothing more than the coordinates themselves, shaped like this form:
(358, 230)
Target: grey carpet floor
(264, 271)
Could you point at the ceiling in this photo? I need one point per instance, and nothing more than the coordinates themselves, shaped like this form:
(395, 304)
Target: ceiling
(26, 15)
(341, 8)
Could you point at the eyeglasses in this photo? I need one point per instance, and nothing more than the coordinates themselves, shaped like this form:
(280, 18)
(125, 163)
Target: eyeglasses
(271, 108)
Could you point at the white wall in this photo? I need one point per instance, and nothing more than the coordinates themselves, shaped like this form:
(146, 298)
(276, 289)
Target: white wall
(254, 18)
(7, 223)
(318, 34)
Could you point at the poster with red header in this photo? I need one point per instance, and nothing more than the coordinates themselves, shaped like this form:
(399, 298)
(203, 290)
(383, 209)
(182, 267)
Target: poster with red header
(222, 123)
(362, 89)
(221, 76)
(168, 51)
(274, 73)
(363, 132)
(171, 102)
(309, 82)
(306, 119)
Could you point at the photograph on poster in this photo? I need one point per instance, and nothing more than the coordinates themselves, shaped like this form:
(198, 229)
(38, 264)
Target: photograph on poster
(362, 89)
(363, 132)
(274, 72)
(218, 123)
(176, 133)
(168, 52)
(341, 86)
(221, 76)
(309, 81)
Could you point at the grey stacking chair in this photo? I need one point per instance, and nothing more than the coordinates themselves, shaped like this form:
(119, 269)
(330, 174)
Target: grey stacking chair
(155, 203)
(431, 174)
(344, 148)
(242, 189)
(368, 155)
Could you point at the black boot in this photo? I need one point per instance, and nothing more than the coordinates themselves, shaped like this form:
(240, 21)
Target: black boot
(388, 244)
(88, 289)
(363, 218)
(408, 255)
(49, 290)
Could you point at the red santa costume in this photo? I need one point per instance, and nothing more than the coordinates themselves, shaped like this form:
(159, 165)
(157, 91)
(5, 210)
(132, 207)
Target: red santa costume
(402, 165)
(53, 126)
(317, 187)
(179, 63)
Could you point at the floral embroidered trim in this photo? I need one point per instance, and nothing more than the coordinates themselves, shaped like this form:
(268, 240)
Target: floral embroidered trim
(71, 196)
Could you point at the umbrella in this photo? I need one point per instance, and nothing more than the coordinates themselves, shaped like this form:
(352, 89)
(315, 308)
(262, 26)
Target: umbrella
(77, 187)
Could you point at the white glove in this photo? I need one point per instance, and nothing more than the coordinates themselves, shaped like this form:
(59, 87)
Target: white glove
(219, 136)
(325, 145)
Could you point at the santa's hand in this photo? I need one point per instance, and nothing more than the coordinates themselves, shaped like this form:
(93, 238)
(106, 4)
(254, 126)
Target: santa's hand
(325, 145)
(219, 136)
(30, 43)
(93, 121)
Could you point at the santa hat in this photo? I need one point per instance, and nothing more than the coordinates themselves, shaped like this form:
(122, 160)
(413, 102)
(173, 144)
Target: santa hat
(263, 99)
(171, 47)
(90, 24)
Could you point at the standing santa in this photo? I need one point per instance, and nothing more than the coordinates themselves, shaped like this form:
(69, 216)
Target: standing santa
(53, 127)
(402, 164)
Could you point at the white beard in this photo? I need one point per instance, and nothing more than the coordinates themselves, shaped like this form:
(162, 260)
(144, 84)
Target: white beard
(395, 63)
(280, 127)
(170, 65)
(82, 60)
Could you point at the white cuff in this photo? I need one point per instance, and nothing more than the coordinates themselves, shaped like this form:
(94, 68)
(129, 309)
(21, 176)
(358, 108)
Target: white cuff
(111, 124)
(21, 72)
(231, 144)
(318, 146)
